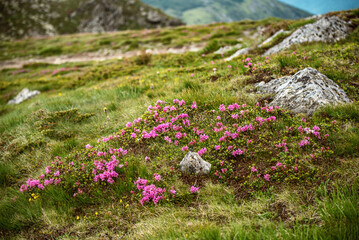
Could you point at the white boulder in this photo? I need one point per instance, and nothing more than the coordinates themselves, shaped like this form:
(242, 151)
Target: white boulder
(24, 95)
(304, 92)
(326, 29)
(193, 163)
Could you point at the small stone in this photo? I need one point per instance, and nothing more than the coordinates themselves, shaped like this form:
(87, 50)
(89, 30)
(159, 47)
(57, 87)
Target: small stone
(24, 95)
(193, 163)
(304, 92)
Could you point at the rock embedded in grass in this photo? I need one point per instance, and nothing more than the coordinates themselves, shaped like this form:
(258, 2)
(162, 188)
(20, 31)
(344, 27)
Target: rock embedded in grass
(242, 51)
(193, 163)
(225, 49)
(23, 96)
(326, 29)
(268, 40)
(304, 92)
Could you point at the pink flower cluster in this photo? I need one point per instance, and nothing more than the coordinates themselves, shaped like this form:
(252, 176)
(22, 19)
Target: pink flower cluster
(304, 142)
(31, 183)
(56, 71)
(237, 152)
(149, 192)
(283, 144)
(194, 189)
(202, 151)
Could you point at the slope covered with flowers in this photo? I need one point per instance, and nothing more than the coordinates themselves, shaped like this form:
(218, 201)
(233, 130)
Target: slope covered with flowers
(250, 147)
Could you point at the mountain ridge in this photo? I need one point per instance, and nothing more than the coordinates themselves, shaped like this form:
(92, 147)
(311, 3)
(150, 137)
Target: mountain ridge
(208, 11)
(26, 18)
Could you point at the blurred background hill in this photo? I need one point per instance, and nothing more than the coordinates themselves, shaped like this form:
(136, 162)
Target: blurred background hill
(24, 18)
(207, 11)
(28, 18)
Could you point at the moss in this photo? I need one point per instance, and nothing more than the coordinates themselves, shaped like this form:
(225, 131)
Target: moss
(48, 51)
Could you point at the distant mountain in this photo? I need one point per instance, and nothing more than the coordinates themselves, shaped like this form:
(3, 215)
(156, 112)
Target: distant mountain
(24, 18)
(207, 11)
(323, 6)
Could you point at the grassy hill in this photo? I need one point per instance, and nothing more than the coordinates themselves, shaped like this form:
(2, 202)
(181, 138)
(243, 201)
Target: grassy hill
(26, 18)
(203, 12)
(95, 119)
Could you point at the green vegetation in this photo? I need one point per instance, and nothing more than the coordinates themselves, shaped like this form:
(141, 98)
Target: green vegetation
(84, 109)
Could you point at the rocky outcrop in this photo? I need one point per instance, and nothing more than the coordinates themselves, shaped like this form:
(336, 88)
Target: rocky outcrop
(304, 92)
(111, 15)
(27, 18)
(326, 29)
(24, 95)
(193, 163)
(270, 39)
(225, 49)
(238, 53)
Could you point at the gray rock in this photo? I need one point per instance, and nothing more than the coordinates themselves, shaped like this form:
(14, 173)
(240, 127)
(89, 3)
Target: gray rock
(154, 17)
(193, 163)
(326, 29)
(272, 37)
(24, 95)
(227, 49)
(236, 54)
(304, 92)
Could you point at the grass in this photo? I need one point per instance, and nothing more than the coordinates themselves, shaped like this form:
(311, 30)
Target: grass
(80, 103)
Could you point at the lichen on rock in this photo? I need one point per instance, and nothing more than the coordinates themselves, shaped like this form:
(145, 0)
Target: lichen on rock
(326, 29)
(304, 92)
(193, 163)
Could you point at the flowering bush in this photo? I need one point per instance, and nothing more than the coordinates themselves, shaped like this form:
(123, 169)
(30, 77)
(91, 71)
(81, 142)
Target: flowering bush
(89, 169)
(250, 146)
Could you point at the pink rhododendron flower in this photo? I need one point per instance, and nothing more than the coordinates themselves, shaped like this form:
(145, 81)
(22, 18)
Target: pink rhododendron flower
(157, 176)
(266, 177)
(222, 108)
(173, 192)
(194, 189)
(184, 148)
(203, 138)
(202, 151)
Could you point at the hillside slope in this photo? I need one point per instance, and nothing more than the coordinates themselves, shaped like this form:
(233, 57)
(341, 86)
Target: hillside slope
(207, 11)
(96, 154)
(24, 18)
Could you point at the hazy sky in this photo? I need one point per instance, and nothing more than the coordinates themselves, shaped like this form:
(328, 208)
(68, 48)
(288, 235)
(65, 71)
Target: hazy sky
(323, 6)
